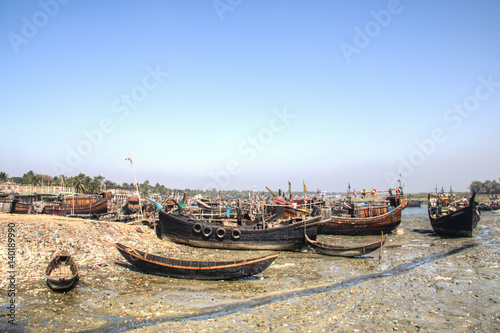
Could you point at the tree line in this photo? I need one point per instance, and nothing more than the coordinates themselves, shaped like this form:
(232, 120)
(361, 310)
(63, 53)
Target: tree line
(81, 182)
(98, 184)
(487, 187)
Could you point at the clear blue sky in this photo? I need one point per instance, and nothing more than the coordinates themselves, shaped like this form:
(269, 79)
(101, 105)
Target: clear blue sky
(229, 94)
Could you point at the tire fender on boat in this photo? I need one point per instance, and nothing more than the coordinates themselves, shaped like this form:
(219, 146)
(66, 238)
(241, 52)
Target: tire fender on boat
(221, 232)
(197, 228)
(207, 231)
(236, 233)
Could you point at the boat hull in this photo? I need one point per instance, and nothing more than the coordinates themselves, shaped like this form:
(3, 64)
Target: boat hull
(94, 208)
(22, 208)
(347, 252)
(63, 208)
(199, 270)
(62, 272)
(457, 224)
(344, 251)
(414, 203)
(183, 230)
(362, 226)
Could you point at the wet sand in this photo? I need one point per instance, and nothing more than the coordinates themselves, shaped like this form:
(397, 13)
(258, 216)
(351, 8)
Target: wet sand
(421, 283)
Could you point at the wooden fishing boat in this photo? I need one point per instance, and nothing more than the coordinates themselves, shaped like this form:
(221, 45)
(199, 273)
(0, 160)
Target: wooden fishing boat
(78, 200)
(367, 220)
(93, 208)
(489, 206)
(344, 251)
(132, 205)
(411, 202)
(56, 208)
(62, 272)
(255, 235)
(200, 270)
(484, 207)
(453, 218)
(22, 207)
(414, 203)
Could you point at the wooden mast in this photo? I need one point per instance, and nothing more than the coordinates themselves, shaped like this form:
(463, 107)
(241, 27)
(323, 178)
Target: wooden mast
(135, 181)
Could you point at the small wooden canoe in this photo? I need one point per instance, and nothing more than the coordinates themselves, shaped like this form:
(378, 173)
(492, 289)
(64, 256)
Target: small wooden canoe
(62, 272)
(200, 270)
(344, 251)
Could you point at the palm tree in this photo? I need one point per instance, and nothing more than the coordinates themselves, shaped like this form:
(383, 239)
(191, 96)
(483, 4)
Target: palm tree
(79, 183)
(29, 177)
(32, 178)
(62, 179)
(97, 184)
(110, 184)
(3, 177)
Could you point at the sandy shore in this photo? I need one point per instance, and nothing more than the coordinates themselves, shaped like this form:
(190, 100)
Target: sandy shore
(422, 283)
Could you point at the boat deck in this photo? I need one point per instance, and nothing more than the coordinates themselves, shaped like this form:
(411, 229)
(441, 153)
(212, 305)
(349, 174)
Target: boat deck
(61, 272)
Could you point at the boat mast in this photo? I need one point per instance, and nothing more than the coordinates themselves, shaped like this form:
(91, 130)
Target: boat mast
(135, 181)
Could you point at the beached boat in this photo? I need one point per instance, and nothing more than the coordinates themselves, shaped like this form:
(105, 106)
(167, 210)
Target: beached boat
(344, 251)
(410, 202)
(94, 208)
(249, 235)
(52, 208)
(200, 270)
(132, 205)
(22, 207)
(62, 272)
(451, 217)
(414, 203)
(484, 207)
(371, 218)
(71, 207)
(493, 204)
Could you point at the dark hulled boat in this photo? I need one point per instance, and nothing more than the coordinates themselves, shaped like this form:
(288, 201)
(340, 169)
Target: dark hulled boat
(201, 270)
(413, 203)
(62, 272)
(453, 218)
(256, 236)
(367, 220)
(344, 251)
(131, 206)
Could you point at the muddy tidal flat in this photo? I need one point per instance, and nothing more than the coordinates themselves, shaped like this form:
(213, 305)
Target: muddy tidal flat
(421, 282)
